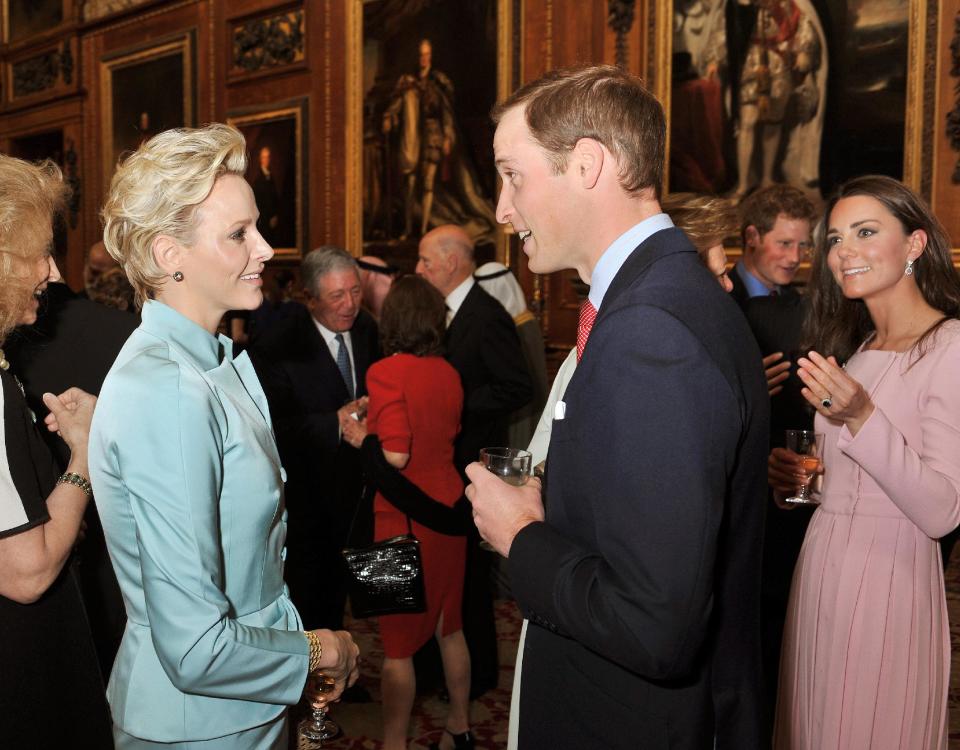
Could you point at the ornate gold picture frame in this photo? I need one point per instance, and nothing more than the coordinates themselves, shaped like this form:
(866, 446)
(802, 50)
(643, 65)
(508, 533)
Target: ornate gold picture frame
(277, 159)
(376, 215)
(908, 57)
(144, 91)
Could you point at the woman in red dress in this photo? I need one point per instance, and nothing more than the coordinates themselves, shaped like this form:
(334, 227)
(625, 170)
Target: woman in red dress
(415, 405)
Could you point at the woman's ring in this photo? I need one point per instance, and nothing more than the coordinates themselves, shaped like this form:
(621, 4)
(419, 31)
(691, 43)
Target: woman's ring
(827, 402)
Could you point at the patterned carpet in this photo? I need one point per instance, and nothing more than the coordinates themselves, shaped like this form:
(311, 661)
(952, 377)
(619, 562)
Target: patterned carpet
(361, 722)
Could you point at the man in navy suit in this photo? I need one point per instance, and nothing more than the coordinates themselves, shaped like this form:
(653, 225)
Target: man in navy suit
(313, 369)
(641, 580)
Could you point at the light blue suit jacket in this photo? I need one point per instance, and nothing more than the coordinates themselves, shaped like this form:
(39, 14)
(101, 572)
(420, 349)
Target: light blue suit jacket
(189, 486)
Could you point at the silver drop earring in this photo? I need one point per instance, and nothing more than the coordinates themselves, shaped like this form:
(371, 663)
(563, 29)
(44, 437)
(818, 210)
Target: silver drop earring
(909, 269)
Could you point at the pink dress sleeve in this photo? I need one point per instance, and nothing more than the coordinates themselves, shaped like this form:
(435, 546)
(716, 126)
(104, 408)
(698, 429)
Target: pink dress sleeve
(387, 409)
(925, 485)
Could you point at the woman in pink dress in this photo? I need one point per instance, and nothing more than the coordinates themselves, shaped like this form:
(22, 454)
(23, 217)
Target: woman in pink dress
(866, 651)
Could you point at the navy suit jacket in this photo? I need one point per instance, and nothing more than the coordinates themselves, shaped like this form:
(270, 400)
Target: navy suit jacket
(642, 585)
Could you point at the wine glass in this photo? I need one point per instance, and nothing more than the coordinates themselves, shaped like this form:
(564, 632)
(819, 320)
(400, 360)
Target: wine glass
(512, 465)
(809, 445)
(317, 726)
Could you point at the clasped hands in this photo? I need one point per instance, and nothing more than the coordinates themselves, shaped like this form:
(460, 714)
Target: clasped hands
(501, 510)
(341, 653)
(353, 429)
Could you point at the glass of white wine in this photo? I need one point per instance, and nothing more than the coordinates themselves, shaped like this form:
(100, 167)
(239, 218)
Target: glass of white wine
(512, 465)
(809, 445)
(317, 726)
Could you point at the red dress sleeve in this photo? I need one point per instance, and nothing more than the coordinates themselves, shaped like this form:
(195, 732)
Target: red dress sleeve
(387, 410)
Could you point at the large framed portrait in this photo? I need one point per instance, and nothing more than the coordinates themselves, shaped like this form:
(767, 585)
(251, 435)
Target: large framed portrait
(808, 92)
(145, 91)
(422, 79)
(26, 18)
(277, 158)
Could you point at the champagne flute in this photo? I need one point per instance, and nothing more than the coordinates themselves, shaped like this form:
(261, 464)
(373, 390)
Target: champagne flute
(317, 726)
(512, 465)
(809, 445)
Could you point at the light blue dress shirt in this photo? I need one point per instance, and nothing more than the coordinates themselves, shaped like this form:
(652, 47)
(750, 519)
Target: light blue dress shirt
(189, 488)
(616, 255)
(753, 285)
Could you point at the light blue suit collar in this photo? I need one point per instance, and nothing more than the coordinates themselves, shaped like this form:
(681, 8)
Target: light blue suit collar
(207, 350)
(211, 354)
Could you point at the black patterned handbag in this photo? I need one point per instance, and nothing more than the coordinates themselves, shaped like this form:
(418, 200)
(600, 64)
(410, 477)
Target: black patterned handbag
(386, 578)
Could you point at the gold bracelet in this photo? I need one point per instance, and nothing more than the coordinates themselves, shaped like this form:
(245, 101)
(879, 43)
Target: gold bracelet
(77, 480)
(316, 649)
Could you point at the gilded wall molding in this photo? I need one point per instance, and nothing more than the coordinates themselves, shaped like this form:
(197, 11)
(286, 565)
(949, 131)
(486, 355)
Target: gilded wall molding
(42, 72)
(953, 116)
(620, 14)
(269, 42)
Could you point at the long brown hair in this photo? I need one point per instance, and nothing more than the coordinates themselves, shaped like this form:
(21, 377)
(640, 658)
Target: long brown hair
(838, 325)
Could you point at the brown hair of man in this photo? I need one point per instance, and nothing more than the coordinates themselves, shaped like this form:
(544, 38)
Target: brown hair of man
(413, 319)
(707, 220)
(761, 209)
(600, 102)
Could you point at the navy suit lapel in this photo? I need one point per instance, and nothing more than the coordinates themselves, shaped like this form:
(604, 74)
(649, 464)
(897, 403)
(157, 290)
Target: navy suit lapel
(658, 245)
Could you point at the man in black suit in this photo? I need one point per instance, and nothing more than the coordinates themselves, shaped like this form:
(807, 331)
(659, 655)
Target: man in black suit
(313, 368)
(483, 346)
(775, 229)
(641, 581)
(481, 343)
(74, 343)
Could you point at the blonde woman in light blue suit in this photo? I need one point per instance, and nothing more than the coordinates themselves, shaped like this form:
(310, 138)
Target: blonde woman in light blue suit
(186, 473)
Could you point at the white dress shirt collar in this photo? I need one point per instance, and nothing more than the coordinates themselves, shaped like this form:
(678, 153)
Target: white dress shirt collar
(455, 299)
(616, 255)
(330, 339)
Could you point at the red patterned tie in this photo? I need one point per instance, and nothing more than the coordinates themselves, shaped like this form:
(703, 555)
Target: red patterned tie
(588, 314)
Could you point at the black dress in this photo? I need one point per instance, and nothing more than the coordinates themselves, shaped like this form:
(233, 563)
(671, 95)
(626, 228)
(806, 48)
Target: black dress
(51, 692)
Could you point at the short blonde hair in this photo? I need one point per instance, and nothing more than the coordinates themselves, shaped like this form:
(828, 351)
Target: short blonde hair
(157, 191)
(706, 219)
(30, 196)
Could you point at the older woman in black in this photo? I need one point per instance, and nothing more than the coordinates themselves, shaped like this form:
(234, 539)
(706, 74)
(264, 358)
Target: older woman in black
(51, 693)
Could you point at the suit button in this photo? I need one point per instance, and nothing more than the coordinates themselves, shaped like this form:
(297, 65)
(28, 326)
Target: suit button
(283, 516)
(283, 554)
(283, 475)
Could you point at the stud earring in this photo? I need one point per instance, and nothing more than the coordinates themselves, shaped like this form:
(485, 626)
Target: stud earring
(178, 275)
(909, 269)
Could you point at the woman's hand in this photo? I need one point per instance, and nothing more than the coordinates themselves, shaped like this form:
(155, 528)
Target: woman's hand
(70, 415)
(339, 663)
(832, 392)
(776, 372)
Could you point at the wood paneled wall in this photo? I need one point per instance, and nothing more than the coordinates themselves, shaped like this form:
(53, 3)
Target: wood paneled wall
(548, 33)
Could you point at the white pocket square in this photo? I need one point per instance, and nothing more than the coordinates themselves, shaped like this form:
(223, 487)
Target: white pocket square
(559, 410)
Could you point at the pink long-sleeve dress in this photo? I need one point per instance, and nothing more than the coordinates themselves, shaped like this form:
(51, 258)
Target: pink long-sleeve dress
(866, 650)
